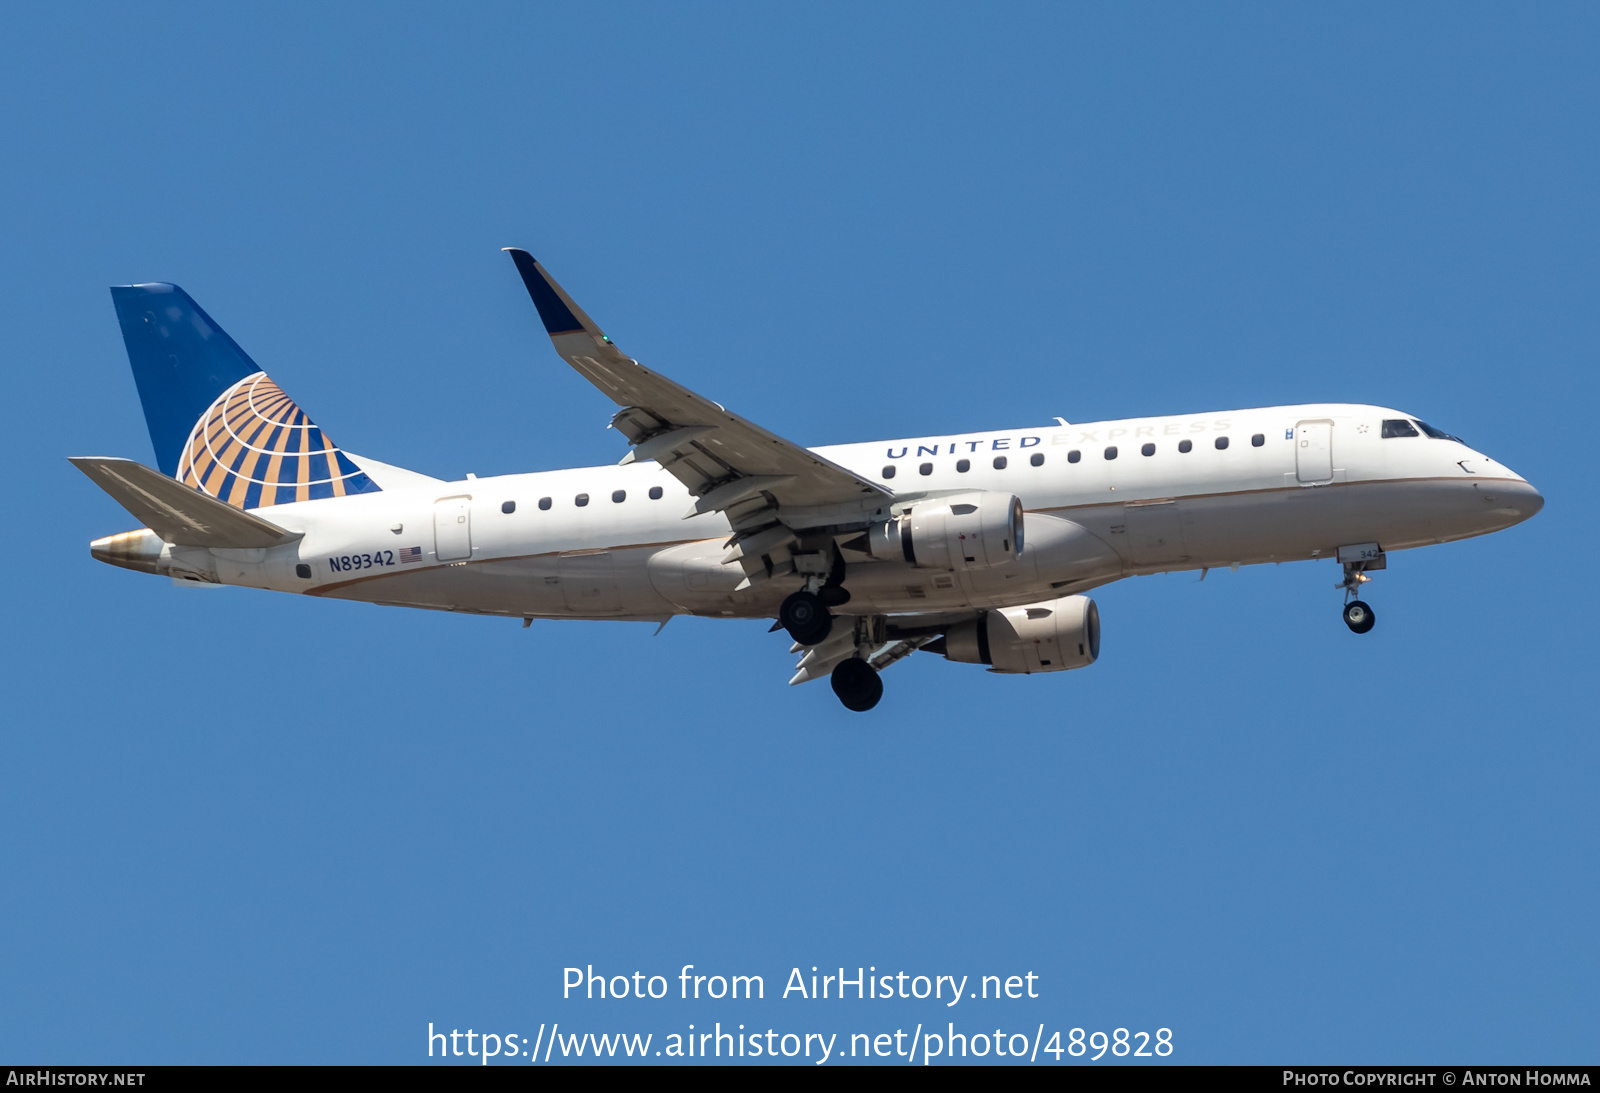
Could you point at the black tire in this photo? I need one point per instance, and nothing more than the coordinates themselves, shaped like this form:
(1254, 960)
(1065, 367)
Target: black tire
(1359, 617)
(858, 684)
(806, 618)
(833, 596)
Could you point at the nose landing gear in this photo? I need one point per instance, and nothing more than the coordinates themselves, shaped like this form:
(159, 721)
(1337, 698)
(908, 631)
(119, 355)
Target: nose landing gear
(1359, 616)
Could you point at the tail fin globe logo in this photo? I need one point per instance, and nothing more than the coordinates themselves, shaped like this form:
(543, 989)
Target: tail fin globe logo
(216, 421)
(254, 447)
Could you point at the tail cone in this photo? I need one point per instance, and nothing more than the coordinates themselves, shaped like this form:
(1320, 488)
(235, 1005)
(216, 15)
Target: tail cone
(140, 550)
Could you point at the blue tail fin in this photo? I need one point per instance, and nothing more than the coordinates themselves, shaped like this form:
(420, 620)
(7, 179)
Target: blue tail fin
(217, 422)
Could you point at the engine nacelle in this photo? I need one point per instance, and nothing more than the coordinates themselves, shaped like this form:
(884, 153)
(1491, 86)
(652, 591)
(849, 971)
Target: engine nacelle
(977, 530)
(1052, 636)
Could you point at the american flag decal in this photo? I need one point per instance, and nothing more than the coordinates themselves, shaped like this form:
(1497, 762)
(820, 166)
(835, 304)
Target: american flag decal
(410, 554)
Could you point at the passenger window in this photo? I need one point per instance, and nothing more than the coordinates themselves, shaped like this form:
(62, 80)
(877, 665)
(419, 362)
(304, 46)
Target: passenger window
(1148, 449)
(1111, 452)
(963, 466)
(1222, 443)
(655, 493)
(581, 500)
(926, 468)
(1037, 459)
(1185, 446)
(1258, 440)
(999, 462)
(508, 507)
(544, 503)
(1074, 455)
(1398, 427)
(618, 496)
(888, 472)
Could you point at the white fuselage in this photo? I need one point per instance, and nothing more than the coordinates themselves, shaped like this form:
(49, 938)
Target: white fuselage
(1320, 477)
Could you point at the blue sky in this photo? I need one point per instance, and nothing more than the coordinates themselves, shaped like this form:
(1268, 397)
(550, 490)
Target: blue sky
(240, 827)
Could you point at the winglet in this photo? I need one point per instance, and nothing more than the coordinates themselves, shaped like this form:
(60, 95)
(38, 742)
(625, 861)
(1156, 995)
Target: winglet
(556, 309)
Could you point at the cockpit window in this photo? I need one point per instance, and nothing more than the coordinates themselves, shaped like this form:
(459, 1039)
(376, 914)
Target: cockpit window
(1397, 427)
(1438, 434)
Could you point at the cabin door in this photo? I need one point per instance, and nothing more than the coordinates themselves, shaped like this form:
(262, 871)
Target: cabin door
(1313, 451)
(452, 529)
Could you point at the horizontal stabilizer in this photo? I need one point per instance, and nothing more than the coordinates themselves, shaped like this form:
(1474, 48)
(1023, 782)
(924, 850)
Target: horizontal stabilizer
(178, 513)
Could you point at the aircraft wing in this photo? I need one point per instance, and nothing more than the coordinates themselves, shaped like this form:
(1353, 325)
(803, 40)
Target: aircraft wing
(180, 514)
(755, 477)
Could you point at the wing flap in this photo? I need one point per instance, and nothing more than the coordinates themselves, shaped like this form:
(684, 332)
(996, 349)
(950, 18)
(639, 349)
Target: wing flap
(178, 513)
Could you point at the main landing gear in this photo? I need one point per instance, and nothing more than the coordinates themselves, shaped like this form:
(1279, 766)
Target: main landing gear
(806, 618)
(805, 613)
(858, 684)
(855, 678)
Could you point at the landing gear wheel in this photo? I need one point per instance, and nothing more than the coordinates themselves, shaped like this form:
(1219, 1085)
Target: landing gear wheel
(857, 684)
(805, 617)
(833, 596)
(1359, 617)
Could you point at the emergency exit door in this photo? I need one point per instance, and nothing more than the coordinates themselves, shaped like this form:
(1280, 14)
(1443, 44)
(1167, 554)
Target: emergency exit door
(1313, 451)
(452, 529)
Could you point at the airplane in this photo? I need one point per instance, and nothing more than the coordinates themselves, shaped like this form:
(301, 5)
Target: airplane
(977, 546)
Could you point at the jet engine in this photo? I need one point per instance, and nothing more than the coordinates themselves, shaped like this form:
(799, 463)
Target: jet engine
(977, 530)
(1052, 636)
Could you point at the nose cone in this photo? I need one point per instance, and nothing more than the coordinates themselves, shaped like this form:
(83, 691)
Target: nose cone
(1533, 501)
(1517, 501)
